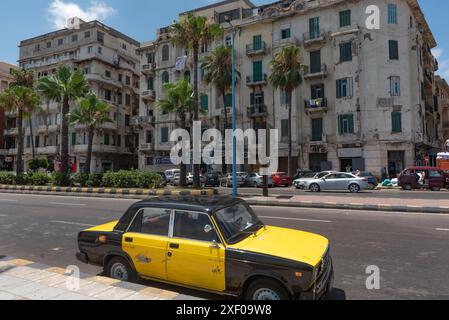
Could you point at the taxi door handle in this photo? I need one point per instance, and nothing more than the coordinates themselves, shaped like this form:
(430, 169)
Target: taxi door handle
(128, 239)
(174, 246)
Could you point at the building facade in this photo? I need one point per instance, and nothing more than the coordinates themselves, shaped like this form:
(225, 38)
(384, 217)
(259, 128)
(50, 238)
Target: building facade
(5, 80)
(367, 100)
(110, 63)
(443, 106)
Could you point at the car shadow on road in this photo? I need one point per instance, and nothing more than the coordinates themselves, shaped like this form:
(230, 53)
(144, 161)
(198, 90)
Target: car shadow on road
(336, 294)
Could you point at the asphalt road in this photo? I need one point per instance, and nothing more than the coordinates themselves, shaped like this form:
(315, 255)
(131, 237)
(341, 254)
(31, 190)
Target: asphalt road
(411, 250)
(426, 195)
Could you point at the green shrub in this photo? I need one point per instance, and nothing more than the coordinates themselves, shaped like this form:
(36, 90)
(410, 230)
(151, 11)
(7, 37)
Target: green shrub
(40, 179)
(93, 180)
(60, 179)
(7, 178)
(149, 180)
(82, 179)
(37, 164)
(131, 179)
(23, 179)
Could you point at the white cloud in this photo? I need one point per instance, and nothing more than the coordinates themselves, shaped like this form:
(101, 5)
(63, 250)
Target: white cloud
(59, 11)
(443, 63)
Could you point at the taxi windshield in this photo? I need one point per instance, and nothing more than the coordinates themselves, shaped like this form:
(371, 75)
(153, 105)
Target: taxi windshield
(237, 222)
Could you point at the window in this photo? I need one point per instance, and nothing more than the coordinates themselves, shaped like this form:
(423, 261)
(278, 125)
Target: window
(392, 14)
(150, 84)
(228, 100)
(127, 80)
(106, 139)
(37, 47)
(28, 143)
(257, 71)
(124, 47)
(100, 50)
(191, 225)
(346, 51)
(74, 38)
(119, 140)
(100, 37)
(204, 103)
(90, 49)
(317, 129)
(344, 88)
(36, 142)
(317, 91)
(48, 44)
(164, 135)
(396, 122)
(151, 221)
(257, 42)
(284, 128)
(228, 41)
(60, 42)
(346, 124)
(345, 18)
(87, 34)
(285, 33)
(315, 61)
(395, 86)
(127, 100)
(165, 77)
(73, 138)
(285, 98)
(107, 95)
(165, 53)
(149, 137)
(107, 73)
(314, 28)
(393, 49)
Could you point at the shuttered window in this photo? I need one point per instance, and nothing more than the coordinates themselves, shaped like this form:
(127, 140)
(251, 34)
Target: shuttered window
(73, 138)
(317, 129)
(344, 88)
(345, 18)
(204, 102)
(345, 124)
(257, 42)
(257, 71)
(392, 14)
(393, 48)
(228, 100)
(164, 135)
(315, 61)
(396, 122)
(346, 51)
(314, 28)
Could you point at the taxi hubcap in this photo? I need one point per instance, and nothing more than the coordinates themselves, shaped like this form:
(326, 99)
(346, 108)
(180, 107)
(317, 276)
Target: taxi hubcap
(118, 271)
(266, 294)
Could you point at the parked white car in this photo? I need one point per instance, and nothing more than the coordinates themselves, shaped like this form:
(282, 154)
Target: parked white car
(300, 183)
(170, 175)
(337, 181)
(256, 180)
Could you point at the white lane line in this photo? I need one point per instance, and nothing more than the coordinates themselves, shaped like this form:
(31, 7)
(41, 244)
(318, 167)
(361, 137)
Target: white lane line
(9, 200)
(72, 223)
(68, 204)
(295, 219)
(3, 215)
(442, 229)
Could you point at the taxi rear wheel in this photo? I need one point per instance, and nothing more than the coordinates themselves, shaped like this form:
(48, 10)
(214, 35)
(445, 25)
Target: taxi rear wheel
(266, 289)
(118, 268)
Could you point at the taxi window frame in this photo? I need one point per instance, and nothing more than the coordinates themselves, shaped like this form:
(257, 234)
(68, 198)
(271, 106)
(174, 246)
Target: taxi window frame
(147, 234)
(212, 223)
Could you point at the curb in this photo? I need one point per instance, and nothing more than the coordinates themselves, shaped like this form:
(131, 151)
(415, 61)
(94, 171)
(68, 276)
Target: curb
(107, 191)
(26, 280)
(341, 206)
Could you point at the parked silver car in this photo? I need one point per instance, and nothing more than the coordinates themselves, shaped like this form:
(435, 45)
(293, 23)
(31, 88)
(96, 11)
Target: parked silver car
(337, 181)
(300, 183)
(226, 181)
(256, 180)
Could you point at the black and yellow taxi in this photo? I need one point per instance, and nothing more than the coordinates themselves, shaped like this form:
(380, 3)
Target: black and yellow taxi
(215, 244)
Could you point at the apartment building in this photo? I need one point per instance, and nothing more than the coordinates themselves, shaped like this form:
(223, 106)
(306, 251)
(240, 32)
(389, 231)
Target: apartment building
(110, 63)
(5, 80)
(368, 96)
(443, 107)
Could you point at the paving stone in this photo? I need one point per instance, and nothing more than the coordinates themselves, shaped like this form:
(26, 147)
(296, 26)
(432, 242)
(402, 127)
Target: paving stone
(27, 289)
(37, 275)
(20, 262)
(7, 296)
(71, 296)
(114, 293)
(52, 281)
(45, 293)
(9, 282)
(56, 270)
(103, 280)
(92, 290)
(141, 297)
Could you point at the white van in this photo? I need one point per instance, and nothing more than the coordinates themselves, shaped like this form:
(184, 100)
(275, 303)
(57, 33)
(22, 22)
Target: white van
(170, 174)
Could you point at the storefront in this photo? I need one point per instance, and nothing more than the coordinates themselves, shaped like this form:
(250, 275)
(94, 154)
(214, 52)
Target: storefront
(396, 163)
(351, 159)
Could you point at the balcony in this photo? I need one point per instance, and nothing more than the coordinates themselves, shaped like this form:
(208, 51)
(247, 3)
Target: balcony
(82, 148)
(146, 147)
(316, 105)
(311, 38)
(48, 150)
(11, 132)
(291, 41)
(8, 152)
(259, 110)
(144, 121)
(256, 49)
(148, 69)
(260, 80)
(320, 72)
(149, 95)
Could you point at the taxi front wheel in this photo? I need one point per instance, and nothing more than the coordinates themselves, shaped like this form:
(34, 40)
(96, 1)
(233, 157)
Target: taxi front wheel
(266, 289)
(118, 268)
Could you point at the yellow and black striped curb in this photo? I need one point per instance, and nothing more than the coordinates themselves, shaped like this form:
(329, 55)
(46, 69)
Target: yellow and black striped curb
(346, 206)
(42, 282)
(110, 191)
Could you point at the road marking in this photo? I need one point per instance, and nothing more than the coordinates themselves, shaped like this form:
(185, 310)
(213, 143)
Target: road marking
(442, 229)
(9, 200)
(73, 223)
(295, 219)
(68, 204)
(3, 215)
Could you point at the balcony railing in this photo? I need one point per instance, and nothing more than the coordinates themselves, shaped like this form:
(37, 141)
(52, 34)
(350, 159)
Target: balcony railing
(257, 80)
(286, 42)
(146, 147)
(256, 48)
(148, 68)
(313, 37)
(149, 95)
(320, 71)
(142, 121)
(259, 110)
(316, 105)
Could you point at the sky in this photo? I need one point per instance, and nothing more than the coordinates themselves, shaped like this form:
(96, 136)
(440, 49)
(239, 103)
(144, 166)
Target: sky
(139, 19)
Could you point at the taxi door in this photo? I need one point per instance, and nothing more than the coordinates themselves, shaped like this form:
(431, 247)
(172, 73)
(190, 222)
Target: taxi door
(146, 242)
(195, 255)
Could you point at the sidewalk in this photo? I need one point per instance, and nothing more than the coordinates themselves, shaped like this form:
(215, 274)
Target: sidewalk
(314, 200)
(24, 280)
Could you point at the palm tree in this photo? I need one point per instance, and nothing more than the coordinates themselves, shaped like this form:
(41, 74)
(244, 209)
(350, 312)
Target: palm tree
(218, 68)
(19, 99)
(92, 113)
(192, 32)
(179, 100)
(286, 75)
(64, 86)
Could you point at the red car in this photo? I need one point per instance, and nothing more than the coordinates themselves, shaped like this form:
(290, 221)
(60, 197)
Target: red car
(281, 179)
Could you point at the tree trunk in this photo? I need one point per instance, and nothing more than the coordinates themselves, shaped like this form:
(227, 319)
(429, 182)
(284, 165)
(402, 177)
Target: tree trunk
(90, 142)
(183, 166)
(19, 159)
(289, 95)
(196, 167)
(33, 149)
(224, 167)
(65, 137)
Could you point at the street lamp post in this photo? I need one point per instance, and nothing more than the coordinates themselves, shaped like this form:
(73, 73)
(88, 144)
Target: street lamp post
(234, 114)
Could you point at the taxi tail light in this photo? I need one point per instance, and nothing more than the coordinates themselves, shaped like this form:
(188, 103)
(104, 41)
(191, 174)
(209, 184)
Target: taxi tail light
(102, 239)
